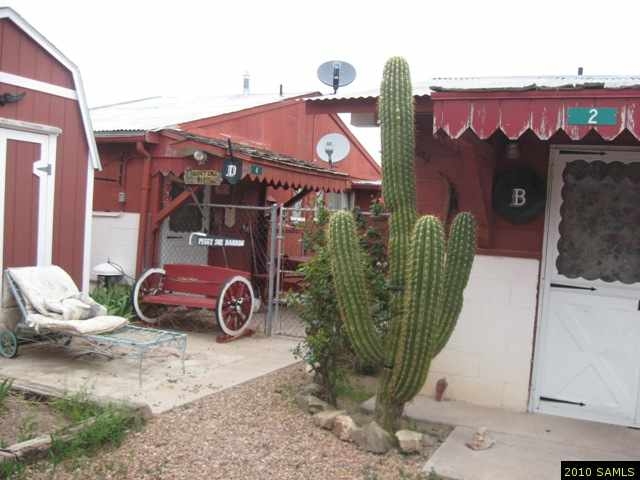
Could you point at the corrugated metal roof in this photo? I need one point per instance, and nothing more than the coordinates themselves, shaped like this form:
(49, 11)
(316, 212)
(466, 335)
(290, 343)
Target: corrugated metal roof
(499, 83)
(419, 89)
(260, 153)
(169, 111)
(534, 82)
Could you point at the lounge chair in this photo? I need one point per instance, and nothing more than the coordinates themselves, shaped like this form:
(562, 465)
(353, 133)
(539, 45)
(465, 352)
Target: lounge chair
(53, 310)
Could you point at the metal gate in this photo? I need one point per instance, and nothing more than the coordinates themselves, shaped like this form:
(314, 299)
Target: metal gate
(290, 254)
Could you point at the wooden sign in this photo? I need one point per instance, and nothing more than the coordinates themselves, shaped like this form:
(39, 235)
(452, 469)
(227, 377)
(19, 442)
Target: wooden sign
(203, 240)
(202, 177)
(519, 195)
(232, 170)
(592, 116)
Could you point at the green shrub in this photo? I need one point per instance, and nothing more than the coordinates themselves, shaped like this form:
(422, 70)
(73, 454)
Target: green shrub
(325, 345)
(5, 389)
(117, 299)
(77, 407)
(108, 428)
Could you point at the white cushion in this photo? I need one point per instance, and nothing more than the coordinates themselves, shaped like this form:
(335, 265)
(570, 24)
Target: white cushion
(91, 326)
(54, 303)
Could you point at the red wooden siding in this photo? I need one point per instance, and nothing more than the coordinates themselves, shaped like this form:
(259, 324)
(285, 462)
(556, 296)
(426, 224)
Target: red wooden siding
(71, 170)
(21, 205)
(445, 162)
(286, 129)
(20, 55)
(121, 172)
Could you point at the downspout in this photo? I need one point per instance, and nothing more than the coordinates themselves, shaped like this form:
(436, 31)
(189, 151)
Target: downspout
(144, 208)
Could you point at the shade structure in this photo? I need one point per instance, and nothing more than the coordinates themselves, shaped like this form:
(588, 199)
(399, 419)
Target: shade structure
(544, 112)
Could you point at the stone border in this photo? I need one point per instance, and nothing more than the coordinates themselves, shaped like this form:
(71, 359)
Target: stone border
(38, 447)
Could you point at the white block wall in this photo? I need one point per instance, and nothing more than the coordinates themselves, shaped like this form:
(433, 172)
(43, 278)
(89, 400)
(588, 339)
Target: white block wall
(488, 359)
(115, 237)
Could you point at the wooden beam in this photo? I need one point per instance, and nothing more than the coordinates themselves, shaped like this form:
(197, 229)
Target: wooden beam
(174, 205)
(298, 196)
(478, 195)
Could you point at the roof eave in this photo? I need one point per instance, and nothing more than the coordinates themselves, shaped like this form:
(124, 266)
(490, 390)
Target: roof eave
(8, 12)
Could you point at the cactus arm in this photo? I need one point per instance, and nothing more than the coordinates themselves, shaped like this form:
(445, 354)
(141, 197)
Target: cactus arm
(352, 292)
(423, 290)
(461, 247)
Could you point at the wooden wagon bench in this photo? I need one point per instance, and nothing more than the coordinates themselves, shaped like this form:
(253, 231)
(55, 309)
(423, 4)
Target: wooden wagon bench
(225, 291)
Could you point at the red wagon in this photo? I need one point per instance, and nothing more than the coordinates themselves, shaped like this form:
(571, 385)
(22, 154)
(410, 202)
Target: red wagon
(226, 291)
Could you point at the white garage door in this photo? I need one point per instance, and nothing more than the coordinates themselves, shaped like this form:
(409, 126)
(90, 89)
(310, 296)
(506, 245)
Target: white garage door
(588, 358)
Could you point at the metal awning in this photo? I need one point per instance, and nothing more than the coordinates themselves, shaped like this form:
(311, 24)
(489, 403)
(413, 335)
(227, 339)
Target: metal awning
(274, 169)
(545, 112)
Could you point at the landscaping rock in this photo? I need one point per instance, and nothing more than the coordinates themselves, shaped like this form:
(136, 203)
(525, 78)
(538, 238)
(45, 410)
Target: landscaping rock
(481, 440)
(311, 404)
(344, 428)
(325, 419)
(374, 439)
(428, 440)
(357, 437)
(311, 389)
(409, 441)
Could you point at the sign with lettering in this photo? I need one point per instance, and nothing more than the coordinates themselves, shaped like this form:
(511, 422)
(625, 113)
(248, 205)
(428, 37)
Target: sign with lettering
(256, 169)
(200, 239)
(592, 116)
(202, 177)
(518, 195)
(232, 170)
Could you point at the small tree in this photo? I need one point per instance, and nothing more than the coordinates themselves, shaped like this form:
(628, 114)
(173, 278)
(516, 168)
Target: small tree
(325, 346)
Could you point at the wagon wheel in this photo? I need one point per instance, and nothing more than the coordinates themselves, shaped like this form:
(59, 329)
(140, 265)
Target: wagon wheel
(149, 283)
(8, 344)
(235, 306)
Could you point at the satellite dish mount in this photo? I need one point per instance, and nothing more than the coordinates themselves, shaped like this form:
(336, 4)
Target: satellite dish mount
(336, 74)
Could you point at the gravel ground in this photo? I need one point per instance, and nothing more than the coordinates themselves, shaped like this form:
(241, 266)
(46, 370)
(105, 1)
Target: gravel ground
(253, 431)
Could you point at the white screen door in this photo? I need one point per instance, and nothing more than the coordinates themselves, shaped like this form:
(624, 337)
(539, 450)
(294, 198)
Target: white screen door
(588, 357)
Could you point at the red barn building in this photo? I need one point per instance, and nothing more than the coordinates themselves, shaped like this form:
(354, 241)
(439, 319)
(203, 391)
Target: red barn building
(47, 154)
(550, 168)
(147, 146)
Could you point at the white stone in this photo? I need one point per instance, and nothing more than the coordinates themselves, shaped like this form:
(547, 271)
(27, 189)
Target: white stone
(343, 428)
(409, 441)
(481, 440)
(325, 419)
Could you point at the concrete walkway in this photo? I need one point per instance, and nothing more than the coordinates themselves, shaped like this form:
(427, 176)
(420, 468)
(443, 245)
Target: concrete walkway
(210, 367)
(528, 446)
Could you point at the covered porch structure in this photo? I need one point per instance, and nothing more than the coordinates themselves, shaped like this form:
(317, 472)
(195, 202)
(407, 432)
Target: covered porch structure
(550, 168)
(184, 175)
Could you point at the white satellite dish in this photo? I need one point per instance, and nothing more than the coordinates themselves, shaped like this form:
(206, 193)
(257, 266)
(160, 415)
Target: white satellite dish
(333, 147)
(336, 74)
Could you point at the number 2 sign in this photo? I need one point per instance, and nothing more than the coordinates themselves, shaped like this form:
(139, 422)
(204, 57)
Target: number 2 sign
(592, 116)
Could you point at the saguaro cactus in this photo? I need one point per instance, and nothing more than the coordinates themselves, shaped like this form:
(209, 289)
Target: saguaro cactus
(427, 273)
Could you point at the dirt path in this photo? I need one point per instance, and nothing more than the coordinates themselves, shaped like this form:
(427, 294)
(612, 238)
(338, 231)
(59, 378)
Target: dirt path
(253, 431)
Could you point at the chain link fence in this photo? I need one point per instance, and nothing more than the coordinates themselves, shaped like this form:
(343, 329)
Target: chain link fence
(291, 253)
(267, 242)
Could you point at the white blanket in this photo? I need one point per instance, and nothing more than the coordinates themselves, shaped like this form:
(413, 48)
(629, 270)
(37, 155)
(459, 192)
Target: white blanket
(53, 302)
